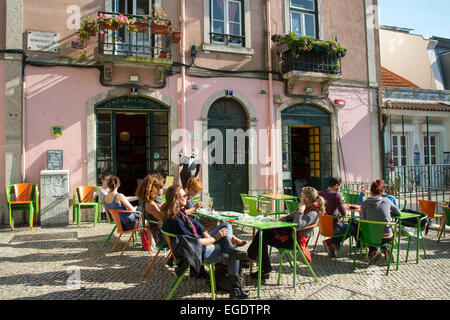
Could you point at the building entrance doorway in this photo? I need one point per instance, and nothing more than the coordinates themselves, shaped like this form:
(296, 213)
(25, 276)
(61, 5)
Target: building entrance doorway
(131, 150)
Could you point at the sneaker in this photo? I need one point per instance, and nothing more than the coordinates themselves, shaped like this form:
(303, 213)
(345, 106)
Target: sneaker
(330, 247)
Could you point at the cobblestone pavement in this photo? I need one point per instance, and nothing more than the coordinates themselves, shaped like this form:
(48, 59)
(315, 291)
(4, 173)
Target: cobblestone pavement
(44, 262)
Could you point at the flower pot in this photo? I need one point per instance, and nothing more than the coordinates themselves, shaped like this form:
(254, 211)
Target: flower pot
(114, 26)
(160, 29)
(142, 27)
(176, 36)
(164, 55)
(92, 33)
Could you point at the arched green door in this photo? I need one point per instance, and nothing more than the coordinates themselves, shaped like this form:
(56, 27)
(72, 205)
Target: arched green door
(306, 147)
(228, 162)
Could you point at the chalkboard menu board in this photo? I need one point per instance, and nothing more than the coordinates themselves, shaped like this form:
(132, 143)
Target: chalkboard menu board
(54, 159)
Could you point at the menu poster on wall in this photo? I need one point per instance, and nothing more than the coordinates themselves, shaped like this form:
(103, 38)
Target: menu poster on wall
(54, 159)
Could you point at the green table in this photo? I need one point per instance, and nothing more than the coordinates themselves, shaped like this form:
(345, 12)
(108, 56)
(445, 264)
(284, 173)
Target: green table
(265, 225)
(278, 198)
(408, 215)
(218, 216)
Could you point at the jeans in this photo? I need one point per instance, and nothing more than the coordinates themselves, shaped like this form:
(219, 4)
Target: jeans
(384, 241)
(340, 228)
(213, 252)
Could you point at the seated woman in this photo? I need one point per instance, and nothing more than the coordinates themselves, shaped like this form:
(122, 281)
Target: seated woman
(213, 243)
(193, 188)
(149, 191)
(117, 201)
(377, 208)
(282, 238)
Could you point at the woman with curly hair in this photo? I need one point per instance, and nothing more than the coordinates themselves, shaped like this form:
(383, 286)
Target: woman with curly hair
(149, 192)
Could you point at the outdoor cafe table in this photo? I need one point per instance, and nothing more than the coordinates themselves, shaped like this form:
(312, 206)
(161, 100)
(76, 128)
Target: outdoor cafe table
(408, 215)
(277, 198)
(352, 208)
(265, 225)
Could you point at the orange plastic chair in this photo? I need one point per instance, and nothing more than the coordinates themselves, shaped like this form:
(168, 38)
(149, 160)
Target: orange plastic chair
(83, 197)
(26, 196)
(326, 230)
(429, 208)
(116, 218)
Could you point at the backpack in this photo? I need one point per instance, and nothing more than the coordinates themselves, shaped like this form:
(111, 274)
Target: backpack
(223, 279)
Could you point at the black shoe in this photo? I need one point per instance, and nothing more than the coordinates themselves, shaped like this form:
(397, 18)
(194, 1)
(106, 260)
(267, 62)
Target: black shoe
(238, 293)
(227, 246)
(264, 275)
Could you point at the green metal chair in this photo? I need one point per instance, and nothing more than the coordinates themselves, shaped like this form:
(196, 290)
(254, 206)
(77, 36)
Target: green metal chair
(83, 197)
(291, 205)
(283, 252)
(372, 236)
(179, 278)
(26, 196)
(351, 198)
(244, 201)
(447, 220)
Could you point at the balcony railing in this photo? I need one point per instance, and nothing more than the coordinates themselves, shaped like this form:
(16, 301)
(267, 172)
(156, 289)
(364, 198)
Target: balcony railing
(122, 42)
(311, 62)
(408, 178)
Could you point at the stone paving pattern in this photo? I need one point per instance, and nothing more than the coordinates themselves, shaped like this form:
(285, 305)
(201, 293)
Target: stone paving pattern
(39, 264)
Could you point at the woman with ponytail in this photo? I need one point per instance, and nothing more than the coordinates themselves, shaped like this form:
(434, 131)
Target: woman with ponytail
(304, 216)
(117, 201)
(149, 191)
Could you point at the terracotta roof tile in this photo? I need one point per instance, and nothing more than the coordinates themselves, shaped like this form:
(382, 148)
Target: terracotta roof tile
(438, 106)
(391, 79)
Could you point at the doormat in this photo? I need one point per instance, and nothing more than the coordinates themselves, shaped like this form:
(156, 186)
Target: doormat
(43, 236)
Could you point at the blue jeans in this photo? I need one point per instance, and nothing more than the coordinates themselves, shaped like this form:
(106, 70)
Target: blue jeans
(340, 228)
(213, 252)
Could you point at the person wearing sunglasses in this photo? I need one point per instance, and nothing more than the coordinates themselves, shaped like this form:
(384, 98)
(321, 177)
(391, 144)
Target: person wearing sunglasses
(213, 243)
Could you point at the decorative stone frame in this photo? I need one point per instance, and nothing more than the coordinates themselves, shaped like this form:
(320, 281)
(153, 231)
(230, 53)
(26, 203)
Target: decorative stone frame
(251, 116)
(318, 103)
(91, 143)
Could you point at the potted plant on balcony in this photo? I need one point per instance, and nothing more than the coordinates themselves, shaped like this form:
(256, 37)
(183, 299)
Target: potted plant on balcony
(176, 36)
(115, 22)
(164, 54)
(160, 22)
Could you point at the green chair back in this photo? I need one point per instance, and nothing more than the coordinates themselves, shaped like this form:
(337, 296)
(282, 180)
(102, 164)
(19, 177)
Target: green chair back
(372, 232)
(291, 205)
(254, 205)
(351, 198)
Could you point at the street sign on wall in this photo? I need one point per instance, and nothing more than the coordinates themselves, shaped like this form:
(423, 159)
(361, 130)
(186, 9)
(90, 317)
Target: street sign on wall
(42, 41)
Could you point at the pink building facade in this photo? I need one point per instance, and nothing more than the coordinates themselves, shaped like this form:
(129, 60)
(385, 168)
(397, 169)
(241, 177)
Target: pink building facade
(295, 129)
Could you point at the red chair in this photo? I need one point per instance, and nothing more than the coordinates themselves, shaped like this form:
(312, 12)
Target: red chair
(25, 196)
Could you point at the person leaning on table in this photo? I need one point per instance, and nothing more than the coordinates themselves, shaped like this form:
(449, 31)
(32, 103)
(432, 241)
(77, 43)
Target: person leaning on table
(214, 243)
(282, 237)
(377, 208)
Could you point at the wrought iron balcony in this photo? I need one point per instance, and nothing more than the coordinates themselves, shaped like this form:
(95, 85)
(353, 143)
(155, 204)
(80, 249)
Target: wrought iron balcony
(409, 177)
(116, 45)
(311, 62)
(310, 66)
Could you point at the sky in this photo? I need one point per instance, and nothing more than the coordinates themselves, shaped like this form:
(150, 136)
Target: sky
(427, 17)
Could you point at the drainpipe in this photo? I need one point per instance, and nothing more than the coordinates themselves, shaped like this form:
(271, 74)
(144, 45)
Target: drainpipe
(271, 138)
(182, 105)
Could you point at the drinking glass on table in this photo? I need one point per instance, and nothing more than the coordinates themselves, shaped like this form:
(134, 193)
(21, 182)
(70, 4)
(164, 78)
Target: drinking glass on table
(210, 203)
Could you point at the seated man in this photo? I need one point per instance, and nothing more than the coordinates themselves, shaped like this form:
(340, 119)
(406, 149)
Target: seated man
(334, 205)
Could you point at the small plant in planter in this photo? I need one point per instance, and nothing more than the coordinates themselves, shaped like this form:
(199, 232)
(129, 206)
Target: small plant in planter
(165, 53)
(160, 22)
